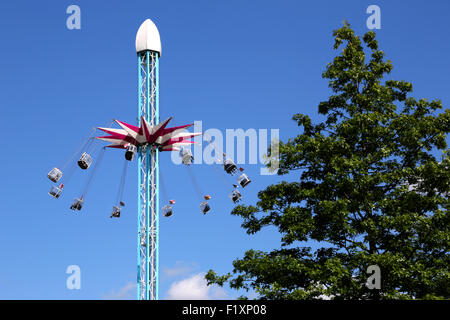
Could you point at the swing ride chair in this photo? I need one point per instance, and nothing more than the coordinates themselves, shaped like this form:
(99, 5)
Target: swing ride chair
(235, 196)
(77, 204)
(167, 210)
(55, 191)
(131, 152)
(186, 156)
(204, 207)
(243, 180)
(116, 212)
(229, 166)
(55, 175)
(85, 161)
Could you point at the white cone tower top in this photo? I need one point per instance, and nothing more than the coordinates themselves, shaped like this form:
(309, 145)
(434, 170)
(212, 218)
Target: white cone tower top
(147, 37)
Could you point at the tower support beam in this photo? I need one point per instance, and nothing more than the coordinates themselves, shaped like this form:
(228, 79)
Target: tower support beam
(148, 179)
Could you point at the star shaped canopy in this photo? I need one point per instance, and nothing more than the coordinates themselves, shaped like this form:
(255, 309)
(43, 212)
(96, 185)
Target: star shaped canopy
(167, 139)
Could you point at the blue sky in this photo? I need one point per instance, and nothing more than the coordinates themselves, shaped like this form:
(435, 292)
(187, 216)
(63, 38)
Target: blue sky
(231, 64)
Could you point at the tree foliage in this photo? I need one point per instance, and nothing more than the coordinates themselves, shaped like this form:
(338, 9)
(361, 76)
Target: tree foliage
(373, 189)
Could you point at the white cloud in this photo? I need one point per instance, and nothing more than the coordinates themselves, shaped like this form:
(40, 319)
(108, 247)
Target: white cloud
(194, 288)
(128, 292)
(180, 269)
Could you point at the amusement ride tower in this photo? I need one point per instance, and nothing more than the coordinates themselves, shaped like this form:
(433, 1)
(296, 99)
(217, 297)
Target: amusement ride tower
(148, 48)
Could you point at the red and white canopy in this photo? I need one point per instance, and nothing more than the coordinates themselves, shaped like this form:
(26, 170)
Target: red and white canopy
(167, 139)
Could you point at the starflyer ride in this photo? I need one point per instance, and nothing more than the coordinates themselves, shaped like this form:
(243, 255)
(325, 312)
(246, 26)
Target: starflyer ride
(143, 142)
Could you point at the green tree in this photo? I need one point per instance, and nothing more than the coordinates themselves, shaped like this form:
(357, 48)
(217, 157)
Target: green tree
(372, 190)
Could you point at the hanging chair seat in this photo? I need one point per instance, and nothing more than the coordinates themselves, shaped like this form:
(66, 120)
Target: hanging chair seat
(55, 175)
(186, 156)
(243, 180)
(204, 207)
(55, 191)
(235, 196)
(131, 152)
(167, 210)
(85, 161)
(229, 166)
(77, 204)
(115, 212)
